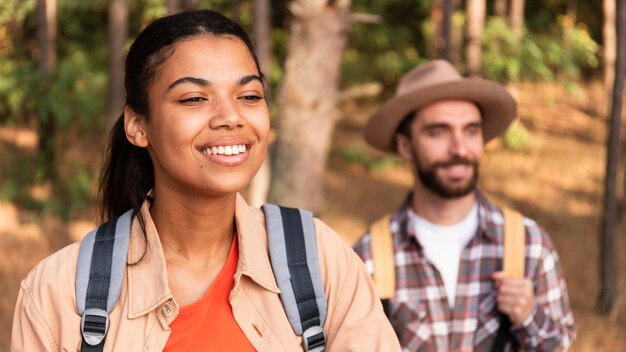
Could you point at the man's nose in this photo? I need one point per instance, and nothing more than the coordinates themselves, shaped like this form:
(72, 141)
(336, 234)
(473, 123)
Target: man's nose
(458, 145)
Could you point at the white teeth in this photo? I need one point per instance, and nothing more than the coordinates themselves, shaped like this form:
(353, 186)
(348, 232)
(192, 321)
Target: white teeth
(225, 150)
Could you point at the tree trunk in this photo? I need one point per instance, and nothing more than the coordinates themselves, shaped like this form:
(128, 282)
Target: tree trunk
(172, 6)
(608, 32)
(446, 30)
(46, 40)
(436, 19)
(499, 8)
(188, 5)
(475, 25)
(118, 32)
(610, 217)
(263, 32)
(308, 101)
(517, 18)
(260, 184)
(236, 10)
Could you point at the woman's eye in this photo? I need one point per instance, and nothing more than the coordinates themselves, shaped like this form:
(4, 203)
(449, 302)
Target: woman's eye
(251, 98)
(192, 100)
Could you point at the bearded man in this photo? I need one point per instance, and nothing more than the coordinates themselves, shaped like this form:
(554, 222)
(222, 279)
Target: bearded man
(449, 292)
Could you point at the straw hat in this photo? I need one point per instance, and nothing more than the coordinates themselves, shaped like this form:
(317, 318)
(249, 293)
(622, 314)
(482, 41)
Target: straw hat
(434, 81)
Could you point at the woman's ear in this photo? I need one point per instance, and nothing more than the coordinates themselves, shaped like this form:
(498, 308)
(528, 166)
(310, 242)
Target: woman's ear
(404, 146)
(134, 125)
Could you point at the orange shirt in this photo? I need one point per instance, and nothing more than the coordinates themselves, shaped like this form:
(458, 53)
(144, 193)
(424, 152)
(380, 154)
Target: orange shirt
(208, 324)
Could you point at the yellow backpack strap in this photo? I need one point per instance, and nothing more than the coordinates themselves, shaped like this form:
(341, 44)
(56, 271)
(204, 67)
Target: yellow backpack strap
(383, 257)
(513, 255)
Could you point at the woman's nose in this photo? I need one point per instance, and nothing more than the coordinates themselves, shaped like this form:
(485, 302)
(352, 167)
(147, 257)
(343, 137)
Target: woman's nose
(225, 115)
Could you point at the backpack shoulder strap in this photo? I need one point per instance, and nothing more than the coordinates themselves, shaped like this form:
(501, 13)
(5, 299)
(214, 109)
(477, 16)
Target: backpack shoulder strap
(381, 247)
(513, 259)
(293, 254)
(513, 253)
(99, 273)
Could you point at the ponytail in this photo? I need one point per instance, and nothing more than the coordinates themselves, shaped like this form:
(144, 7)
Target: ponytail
(127, 175)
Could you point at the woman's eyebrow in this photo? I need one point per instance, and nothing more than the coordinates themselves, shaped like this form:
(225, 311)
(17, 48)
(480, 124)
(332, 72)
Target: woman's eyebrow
(249, 78)
(193, 80)
(204, 83)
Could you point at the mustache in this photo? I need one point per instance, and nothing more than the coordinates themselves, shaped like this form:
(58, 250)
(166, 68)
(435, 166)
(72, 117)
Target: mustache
(456, 161)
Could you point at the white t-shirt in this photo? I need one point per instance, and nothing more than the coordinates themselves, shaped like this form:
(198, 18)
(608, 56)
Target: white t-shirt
(443, 245)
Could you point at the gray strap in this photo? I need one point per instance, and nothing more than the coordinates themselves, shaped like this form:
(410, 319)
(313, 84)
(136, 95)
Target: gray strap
(118, 263)
(280, 264)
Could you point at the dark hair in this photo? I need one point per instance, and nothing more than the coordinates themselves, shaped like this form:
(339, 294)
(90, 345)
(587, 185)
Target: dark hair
(404, 128)
(127, 174)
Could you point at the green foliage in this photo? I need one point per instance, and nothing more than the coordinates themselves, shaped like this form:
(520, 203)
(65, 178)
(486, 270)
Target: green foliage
(383, 52)
(560, 53)
(361, 156)
(76, 193)
(516, 137)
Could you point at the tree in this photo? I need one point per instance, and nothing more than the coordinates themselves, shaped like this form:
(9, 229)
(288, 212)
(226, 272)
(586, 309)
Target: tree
(608, 33)
(307, 101)
(174, 6)
(610, 217)
(475, 26)
(517, 17)
(499, 8)
(441, 22)
(117, 35)
(46, 41)
(260, 184)
(446, 30)
(436, 21)
(188, 5)
(236, 10)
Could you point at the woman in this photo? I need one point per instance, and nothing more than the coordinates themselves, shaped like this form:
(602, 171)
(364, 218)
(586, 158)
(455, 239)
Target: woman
(198, 278)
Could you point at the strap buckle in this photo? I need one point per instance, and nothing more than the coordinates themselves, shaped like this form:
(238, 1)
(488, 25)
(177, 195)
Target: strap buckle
(94, 325)
(314, 339)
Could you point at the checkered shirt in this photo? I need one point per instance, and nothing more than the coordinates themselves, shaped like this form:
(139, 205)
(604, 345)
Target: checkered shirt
(420, 313)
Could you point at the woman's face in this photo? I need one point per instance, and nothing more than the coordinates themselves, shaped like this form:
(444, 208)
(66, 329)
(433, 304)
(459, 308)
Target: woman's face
(208, 125)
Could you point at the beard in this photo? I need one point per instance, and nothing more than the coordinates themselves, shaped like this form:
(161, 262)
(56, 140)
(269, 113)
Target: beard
(431, 180)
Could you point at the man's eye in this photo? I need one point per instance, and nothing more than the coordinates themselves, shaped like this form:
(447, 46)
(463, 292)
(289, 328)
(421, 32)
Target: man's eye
(473, 130)
(435, 132)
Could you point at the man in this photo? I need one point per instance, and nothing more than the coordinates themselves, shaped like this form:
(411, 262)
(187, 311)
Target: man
(447, 239)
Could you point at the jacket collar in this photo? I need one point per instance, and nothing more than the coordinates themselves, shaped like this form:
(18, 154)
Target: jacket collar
(254, 258)
(148, 286)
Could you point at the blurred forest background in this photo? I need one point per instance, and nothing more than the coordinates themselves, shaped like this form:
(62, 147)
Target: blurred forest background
(329, 63)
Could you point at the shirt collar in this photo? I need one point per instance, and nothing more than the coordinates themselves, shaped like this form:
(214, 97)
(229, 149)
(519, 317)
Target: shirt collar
(147, 271)
(489, 217)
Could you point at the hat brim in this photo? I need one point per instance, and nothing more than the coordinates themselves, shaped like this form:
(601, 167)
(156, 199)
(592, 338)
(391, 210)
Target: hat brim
(498, 109)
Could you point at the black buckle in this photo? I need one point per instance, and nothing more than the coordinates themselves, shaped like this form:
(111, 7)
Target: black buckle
(314, 339)
(94, 325)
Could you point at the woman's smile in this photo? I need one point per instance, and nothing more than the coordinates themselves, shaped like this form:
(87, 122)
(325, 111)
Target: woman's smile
(229, 152)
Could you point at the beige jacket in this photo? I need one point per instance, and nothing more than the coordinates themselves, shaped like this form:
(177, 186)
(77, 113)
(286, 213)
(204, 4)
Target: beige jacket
(46, 319)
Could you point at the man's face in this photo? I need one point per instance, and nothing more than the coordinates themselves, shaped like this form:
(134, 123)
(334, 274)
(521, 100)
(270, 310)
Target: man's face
(445, 147)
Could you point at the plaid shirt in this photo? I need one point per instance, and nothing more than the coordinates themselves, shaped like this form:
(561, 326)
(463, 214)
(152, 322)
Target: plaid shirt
(420, 313)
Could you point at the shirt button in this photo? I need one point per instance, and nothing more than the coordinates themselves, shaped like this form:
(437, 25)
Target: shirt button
(168, 310)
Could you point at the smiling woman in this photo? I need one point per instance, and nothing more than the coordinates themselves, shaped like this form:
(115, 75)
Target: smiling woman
(197, 274)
